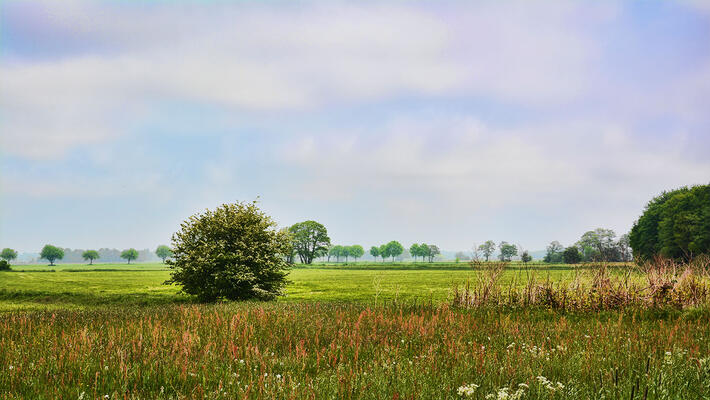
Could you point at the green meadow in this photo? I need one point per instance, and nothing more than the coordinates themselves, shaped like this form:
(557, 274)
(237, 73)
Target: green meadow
(80, 285)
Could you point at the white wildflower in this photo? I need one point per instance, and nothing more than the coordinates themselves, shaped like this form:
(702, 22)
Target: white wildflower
(467, 390)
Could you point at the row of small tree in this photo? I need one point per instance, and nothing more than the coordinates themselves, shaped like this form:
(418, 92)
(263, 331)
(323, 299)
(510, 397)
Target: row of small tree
(355, 251)
(597, 245)
(506, 251)
(392, 249)
(425, 251)
(53, 253)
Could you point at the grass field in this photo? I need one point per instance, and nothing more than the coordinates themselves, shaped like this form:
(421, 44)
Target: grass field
(80, 285)
(361, 332)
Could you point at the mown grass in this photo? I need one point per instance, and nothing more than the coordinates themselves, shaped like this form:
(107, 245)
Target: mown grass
(80, 286)
(351, 351)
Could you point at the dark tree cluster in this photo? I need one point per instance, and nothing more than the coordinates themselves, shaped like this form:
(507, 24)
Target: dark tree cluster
(675, 224)
(597, 245)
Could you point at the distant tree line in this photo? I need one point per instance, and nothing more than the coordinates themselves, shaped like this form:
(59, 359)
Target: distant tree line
(425, 251)
(355, 251)
(597, 245)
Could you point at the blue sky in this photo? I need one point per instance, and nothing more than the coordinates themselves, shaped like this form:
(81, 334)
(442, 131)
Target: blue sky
(444, 122)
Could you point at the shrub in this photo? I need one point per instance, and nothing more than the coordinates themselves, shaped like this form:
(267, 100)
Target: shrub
(4, 265)
(233, 252)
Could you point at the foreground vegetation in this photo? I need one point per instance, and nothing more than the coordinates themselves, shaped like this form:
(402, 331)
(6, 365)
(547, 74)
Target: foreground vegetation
(329, 350)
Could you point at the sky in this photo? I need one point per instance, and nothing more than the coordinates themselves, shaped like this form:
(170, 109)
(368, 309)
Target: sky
(443, 122)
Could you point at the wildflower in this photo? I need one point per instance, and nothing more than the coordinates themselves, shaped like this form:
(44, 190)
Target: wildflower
(467, 390)
(105, 367)
(106, 396)
(162, 390)
(81, 396)
(523, 385)
(11, 367)
(278, 376)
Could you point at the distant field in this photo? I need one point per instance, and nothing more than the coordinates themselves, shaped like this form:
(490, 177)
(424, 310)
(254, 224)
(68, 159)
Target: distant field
(80, 285)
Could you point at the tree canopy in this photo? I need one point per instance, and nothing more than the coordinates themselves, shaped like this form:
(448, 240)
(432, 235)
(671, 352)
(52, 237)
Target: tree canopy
(91, 255)
(487, 249)
(234, 252)
(163, 252)
(51, 253)
(129, 254)
(675, 224)
(571, 255)
(310, 240)
(554, 252)
(394, 249)
(375, 251)
(356, 251)
(507, 251)
(8, 254)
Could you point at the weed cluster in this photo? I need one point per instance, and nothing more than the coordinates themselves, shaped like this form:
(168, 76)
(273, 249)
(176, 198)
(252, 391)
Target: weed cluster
(657, 284)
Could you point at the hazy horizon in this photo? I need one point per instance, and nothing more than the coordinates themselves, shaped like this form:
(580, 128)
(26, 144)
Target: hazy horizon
(442, 122)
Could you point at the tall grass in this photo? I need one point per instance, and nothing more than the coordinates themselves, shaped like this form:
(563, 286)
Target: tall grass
(325, 351)
(656, 284)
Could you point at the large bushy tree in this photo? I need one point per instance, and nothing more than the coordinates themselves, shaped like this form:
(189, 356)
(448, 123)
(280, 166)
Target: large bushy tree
(675, 224)
(51, 253)
(234, 252)
(310, 240)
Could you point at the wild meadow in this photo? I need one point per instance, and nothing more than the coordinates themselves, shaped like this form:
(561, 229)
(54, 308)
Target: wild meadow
(480, 340)
(328, 350)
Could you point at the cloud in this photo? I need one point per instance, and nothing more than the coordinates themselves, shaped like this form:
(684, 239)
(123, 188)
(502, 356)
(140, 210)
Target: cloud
(451, 120)
(98, 71)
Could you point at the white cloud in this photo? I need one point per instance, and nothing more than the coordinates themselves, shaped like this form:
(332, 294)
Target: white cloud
(125, 60)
